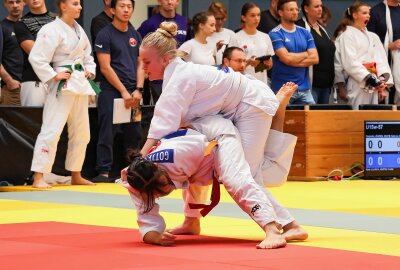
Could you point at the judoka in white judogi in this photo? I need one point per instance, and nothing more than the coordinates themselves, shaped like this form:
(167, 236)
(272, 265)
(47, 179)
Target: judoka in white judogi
(193, 91)
(355, 48)
(60, 47)
(182, 156)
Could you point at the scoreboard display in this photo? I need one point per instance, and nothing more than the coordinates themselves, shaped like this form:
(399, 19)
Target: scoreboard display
(382, 149)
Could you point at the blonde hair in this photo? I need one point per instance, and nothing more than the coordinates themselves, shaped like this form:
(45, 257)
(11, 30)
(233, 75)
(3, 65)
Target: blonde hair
(163, 40)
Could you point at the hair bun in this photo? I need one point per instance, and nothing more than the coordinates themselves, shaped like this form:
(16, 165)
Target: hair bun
(168, 29)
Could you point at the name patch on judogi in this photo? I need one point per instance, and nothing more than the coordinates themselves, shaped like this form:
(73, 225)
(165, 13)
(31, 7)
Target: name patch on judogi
(162, 156)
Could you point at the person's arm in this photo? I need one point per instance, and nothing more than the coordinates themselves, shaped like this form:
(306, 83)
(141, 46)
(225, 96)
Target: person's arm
(140, 75)
(6, 77)
(289, 58)
(112, 77)
(24, 37)
(395, 45)
(148, 145)
(88, 60)
(151, 224)
(42, 53)
(312, 58)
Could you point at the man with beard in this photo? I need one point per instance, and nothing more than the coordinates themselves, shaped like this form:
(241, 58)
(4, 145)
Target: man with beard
(295, 51)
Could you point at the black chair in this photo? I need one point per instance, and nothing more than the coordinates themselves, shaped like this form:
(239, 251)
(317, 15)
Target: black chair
(386, 107)
(334, 107)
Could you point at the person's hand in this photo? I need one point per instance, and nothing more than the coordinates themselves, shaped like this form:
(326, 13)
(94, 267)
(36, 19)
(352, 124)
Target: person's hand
(342, 92)
(382, 94)
(167, 239)
(89, 75)
(13, 84)
(253, 62)
(220, 44)
(136, 97)
(268, 63)
(124, 171)
(128, 101)
(381, 87)
(395, 45)
(63, 75)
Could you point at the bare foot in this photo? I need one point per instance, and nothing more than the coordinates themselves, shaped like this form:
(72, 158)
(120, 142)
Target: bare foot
(285, 93)
(76, 179)
(191, 225)
(38, 181)
(274, 238)
(293, 232)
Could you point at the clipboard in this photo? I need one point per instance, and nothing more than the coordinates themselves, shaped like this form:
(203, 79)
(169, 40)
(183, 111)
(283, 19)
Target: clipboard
(123, 115)
(261, 67)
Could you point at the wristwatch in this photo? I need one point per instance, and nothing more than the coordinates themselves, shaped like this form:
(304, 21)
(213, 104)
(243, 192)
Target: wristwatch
(140, 89)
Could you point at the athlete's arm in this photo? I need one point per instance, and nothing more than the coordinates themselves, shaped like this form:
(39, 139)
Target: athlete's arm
(147, 146)
(112, 77)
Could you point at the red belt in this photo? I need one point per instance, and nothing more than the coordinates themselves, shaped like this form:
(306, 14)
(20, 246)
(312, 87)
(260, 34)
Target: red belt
(215, 197)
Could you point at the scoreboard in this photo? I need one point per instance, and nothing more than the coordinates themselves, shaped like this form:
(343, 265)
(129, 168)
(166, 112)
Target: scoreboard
(382, 149)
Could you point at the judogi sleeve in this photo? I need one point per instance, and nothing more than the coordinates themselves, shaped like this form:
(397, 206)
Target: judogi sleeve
(278, 157)
(179, 88)
(382, 65)
(88, 59)
(148, 222)
(43, 51)
(349, 57)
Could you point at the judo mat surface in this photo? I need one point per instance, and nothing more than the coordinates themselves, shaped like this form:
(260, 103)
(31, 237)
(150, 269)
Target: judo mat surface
(351, 225)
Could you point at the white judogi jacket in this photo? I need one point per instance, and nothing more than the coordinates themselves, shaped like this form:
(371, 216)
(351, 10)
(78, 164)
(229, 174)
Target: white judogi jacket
(358, 47)
(184, 156)
(191, 91)
(60, 45)
(183, 159)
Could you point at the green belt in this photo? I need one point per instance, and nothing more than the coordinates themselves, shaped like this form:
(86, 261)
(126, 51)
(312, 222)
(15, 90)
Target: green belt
(78, 67)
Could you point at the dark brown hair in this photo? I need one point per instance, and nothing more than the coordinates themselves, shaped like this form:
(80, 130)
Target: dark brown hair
(143, 175)
(348, 17)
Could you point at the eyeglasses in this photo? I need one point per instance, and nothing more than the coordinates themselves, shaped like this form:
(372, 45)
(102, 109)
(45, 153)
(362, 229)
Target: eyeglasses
(239, 61)
(292, 9)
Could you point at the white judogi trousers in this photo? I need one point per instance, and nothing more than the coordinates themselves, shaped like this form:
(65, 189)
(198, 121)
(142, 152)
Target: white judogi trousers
(233, 169)
(58, 110)
(33, 94)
